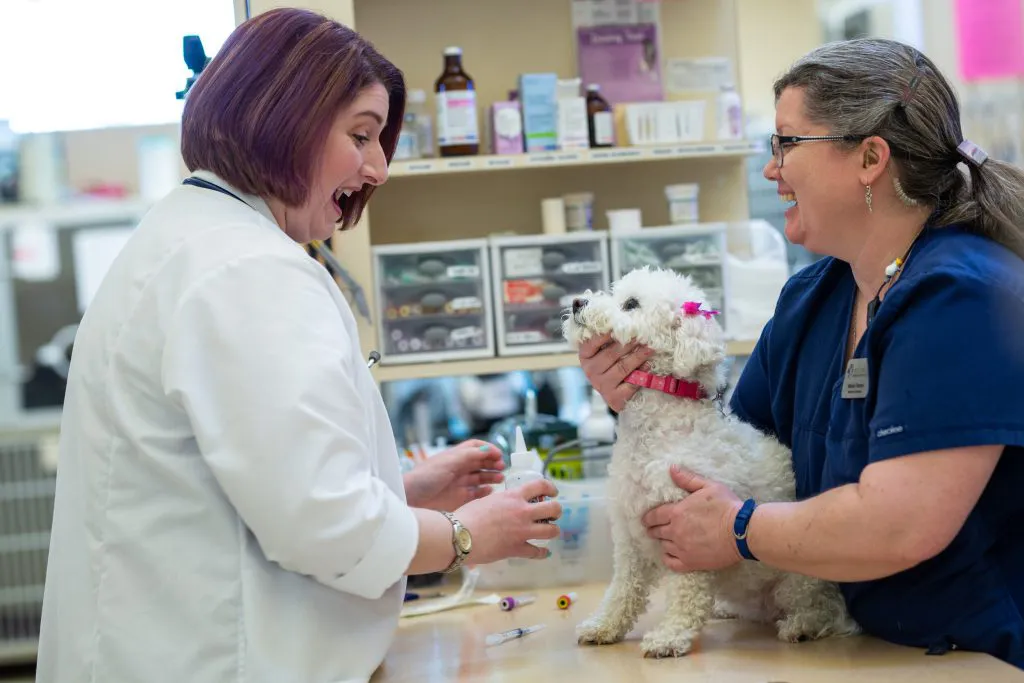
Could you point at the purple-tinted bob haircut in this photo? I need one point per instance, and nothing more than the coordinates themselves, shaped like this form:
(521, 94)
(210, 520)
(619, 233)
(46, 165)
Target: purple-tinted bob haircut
(259, 115)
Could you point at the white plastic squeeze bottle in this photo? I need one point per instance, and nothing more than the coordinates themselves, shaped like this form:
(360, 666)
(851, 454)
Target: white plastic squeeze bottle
(599, 430)
(526, 466)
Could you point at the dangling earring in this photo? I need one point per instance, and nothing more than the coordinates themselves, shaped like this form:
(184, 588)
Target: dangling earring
(867, 198)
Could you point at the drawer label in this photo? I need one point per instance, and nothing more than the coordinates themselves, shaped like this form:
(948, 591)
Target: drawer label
(525, 337)
(460, 333)
(523, 262)
(463, 271)
(581, 267)
(465, 303)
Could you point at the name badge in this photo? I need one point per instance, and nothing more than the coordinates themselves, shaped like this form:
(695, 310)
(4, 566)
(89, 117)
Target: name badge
(855, 382)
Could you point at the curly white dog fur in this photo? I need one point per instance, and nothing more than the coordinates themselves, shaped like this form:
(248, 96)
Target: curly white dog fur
(657, 429)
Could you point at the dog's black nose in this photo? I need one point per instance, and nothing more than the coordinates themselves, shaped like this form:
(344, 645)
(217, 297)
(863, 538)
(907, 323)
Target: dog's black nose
(577, 304)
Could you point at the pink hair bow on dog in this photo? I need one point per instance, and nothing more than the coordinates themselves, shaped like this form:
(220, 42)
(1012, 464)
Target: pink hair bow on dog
(694, 308)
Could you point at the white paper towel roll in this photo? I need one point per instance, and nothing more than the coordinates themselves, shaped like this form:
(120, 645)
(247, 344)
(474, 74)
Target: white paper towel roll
(552, 214)
(159, 161)
(43, 173)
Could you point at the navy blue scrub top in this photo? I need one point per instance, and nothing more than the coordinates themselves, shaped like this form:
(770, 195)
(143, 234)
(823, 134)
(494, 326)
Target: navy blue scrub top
(945, 357)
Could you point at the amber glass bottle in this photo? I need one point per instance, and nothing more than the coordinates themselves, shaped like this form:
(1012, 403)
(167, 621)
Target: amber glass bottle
(599, 118)
(458, 132)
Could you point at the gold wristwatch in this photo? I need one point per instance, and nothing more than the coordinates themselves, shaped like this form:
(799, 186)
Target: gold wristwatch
(462, 541)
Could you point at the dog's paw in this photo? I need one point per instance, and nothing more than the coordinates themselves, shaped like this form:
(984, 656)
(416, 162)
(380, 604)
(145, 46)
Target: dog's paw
(799, 628)
(723, 610)
(792, 630)
(662, 643)
(598, 631)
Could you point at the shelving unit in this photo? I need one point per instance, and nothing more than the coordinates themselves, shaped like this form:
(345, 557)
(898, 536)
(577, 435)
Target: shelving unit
(435, 199)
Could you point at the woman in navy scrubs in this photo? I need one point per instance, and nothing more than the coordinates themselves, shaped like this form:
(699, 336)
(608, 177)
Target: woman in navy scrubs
(893, 368)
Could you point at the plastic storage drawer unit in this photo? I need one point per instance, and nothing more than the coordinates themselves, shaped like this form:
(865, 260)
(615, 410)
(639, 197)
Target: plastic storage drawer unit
(433, 301)
(535, 280)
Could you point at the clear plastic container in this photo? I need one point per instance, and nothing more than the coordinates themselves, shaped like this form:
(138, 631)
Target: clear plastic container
(581, 554)
(416, 139)
(757, 269)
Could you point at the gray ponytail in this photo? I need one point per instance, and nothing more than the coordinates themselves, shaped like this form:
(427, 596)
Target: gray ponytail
(882, 87)
(992, 203)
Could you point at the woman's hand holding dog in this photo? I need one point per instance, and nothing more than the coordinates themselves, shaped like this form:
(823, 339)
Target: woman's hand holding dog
(696, 532)
(606, 363)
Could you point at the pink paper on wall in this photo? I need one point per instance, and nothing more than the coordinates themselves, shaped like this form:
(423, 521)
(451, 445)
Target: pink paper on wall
(990, 38)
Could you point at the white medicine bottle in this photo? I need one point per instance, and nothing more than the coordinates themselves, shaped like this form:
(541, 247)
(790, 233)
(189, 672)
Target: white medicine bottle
(730, 114)
(525, 466)
(597, 433)
(422, 126)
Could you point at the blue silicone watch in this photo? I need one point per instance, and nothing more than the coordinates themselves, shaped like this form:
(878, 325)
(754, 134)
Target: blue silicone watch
(739, 528)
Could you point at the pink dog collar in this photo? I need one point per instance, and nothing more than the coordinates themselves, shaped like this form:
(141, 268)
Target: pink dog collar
(668, 384)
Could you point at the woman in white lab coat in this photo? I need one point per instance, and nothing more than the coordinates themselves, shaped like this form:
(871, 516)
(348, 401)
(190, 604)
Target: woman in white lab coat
(229, 502)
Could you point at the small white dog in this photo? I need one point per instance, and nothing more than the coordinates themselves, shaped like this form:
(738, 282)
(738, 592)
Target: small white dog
(665, 311)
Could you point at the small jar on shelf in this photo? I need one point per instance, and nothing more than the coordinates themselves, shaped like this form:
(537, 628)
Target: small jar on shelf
(536, 277)
(433, 301)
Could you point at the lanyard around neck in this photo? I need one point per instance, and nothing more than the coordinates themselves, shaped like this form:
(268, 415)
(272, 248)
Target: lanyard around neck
(207, 185)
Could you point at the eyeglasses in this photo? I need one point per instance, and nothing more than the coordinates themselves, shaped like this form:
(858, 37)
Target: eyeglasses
(779, 141)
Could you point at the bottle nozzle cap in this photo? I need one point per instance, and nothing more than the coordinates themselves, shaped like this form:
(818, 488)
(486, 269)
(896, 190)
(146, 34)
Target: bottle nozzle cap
(452, 51)
(521, 458)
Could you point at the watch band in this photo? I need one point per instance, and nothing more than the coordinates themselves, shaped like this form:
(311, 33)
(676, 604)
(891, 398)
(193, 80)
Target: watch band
(739, 528)
(460, 554)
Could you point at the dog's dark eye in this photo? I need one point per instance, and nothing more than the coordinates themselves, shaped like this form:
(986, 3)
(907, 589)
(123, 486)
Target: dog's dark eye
(630, 303)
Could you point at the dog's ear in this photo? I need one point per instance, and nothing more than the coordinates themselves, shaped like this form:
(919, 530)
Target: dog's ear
(699, 343)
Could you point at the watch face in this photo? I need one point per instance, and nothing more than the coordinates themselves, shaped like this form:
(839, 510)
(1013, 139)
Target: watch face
(464, 540)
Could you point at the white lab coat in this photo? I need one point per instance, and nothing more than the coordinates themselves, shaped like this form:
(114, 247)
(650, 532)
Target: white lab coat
(229, 501)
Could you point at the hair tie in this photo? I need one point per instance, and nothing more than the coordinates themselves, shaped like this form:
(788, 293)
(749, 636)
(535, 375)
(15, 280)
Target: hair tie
(971, 153)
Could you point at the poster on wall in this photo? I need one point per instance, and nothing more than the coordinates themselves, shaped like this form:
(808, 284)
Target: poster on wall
(618, 47)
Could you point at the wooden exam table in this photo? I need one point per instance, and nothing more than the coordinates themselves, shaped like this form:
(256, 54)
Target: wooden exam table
(449, 646)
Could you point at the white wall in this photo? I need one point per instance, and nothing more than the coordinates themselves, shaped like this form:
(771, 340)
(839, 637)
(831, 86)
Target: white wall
(939, 33)
(772, 35)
